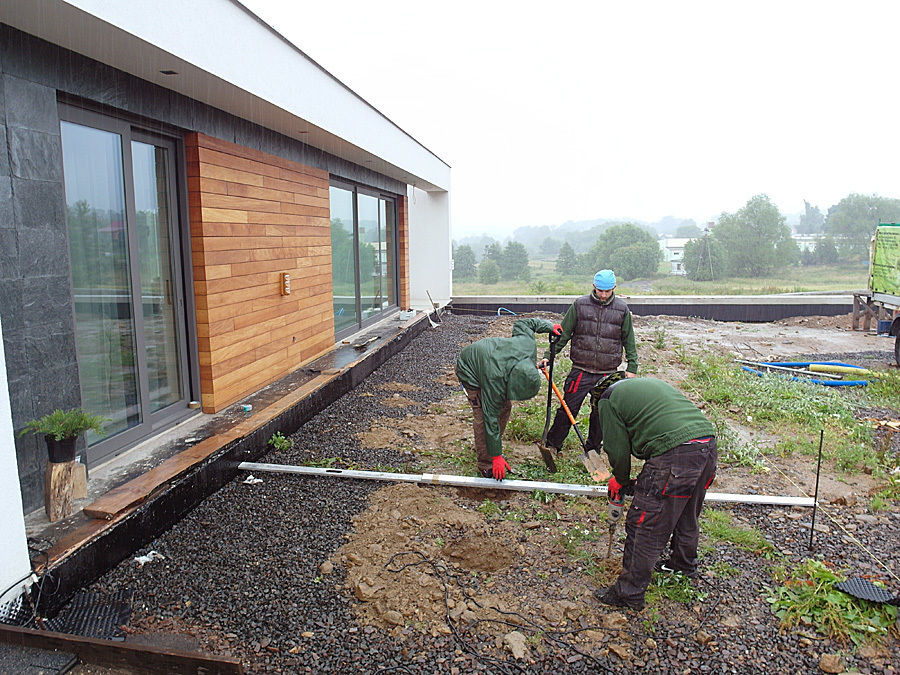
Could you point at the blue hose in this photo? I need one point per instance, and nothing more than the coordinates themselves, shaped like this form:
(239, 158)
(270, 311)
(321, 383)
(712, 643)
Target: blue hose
(503, 309)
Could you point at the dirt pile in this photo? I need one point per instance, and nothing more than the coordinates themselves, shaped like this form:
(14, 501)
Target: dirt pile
(409, 552)
(419, 556)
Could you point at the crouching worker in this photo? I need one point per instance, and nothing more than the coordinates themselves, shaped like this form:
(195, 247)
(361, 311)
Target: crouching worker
(493, 372)
(653, 421)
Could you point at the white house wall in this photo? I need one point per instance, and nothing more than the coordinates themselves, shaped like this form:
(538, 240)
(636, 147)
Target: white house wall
(15, 567)
(228, 58)
(430, 247)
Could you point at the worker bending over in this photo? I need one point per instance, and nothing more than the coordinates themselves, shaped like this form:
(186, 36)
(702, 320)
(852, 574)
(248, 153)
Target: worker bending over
(653, 421)
(493, 372)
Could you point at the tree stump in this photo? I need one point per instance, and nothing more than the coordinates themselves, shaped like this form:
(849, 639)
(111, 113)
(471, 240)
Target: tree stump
(59, 487)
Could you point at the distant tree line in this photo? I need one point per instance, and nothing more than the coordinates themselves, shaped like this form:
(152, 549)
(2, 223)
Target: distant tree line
(753, 241)
(498, 262)
(756, 241)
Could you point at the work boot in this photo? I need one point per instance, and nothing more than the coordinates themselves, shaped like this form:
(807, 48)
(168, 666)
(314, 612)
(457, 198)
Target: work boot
(665, 565)
(608, 596)
(549, 455)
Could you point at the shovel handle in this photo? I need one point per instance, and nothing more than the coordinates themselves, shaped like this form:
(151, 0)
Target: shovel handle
(559, 395)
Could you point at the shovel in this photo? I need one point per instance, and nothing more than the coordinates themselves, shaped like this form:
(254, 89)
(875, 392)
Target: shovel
(547, 453)
(590, 458)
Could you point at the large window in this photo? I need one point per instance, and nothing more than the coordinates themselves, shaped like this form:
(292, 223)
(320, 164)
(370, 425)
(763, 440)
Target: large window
(121, 214)
(363, 255)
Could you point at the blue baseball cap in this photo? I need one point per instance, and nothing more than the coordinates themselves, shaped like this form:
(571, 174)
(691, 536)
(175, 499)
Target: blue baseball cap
(605, 280)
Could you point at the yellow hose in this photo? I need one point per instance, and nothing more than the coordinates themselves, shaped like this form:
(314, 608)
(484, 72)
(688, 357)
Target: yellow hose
(826, 368)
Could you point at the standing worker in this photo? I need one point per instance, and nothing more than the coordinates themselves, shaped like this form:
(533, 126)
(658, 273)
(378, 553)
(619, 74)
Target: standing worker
(600, 327)
(493, 372)
(653, 421)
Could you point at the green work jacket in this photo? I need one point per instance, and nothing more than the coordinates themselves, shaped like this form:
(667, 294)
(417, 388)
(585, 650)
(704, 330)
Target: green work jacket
(504, 369)
(646, 417)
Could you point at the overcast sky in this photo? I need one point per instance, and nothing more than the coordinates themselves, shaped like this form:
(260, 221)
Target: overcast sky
(549, 112)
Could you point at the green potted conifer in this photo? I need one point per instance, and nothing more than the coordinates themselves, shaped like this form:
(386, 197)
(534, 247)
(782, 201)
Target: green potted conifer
(61, 430)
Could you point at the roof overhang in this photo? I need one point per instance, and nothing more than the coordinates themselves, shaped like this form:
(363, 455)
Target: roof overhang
(225, 56)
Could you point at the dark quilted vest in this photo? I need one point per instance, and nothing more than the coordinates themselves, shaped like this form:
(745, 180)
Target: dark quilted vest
(597, 343)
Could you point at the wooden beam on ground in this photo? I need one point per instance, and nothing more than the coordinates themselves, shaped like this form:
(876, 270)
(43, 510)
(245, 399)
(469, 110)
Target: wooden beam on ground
(491, 484)
(132, 658)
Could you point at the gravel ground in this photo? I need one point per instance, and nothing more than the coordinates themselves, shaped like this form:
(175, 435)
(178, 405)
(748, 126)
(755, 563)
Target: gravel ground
(241, 573)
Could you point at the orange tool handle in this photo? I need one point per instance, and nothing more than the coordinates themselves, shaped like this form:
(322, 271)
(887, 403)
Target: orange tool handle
(559, 396)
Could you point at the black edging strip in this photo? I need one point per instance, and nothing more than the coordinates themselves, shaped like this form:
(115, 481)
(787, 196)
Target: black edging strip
(163, 510)
(752, 312)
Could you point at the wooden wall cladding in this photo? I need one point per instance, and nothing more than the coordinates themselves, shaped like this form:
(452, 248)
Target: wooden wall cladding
(255, 216)
(403, 250)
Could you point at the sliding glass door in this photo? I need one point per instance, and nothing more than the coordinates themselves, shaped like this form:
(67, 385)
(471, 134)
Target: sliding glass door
(126, 277)
(363, 255)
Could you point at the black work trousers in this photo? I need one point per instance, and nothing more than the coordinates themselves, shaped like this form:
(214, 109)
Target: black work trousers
(577, 386)
(668, 497)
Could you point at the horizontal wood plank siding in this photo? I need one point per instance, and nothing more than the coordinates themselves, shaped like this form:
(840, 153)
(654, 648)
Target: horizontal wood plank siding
(253, 217)
(403, 250)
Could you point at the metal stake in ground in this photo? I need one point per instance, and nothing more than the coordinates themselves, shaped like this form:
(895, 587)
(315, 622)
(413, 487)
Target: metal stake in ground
(812, 528)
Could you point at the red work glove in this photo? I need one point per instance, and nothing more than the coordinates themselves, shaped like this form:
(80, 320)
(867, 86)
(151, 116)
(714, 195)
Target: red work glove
(614, 490)
(500, 467)
(557, 329)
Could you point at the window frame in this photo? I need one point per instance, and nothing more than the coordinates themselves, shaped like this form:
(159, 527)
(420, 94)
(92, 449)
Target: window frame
(356, 189)
(131, 128)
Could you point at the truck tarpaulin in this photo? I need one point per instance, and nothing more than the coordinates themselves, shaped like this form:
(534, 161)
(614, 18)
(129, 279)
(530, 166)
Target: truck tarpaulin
(885, 269)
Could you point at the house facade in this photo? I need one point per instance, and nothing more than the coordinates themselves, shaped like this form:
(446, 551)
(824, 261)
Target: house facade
(673, 253)
(190, 209)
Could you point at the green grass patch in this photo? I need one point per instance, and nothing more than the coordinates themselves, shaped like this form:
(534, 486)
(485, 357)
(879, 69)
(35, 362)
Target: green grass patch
(675, 587)
(883, 391)
(885, 495)
(787, 408)
(659, 337)
(464, 460)
(279, 441)
(732, 450)
(490, 509)
(545, 280)
(723, 570)
(719, 526)
(806, 597)
(574, 541)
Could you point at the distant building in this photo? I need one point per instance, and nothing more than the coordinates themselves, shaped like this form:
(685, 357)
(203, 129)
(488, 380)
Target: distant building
(673, 253)
(806, 242)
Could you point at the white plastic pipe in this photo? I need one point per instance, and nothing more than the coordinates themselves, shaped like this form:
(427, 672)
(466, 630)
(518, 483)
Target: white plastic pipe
(490, 483)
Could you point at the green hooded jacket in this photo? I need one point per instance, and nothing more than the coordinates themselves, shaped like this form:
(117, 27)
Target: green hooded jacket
(646, 417)
(504, 369)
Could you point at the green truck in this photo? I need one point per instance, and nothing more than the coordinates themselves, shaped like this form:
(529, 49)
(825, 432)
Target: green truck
(884, 276)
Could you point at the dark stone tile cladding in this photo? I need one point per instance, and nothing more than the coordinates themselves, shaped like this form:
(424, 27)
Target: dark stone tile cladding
(35, 296)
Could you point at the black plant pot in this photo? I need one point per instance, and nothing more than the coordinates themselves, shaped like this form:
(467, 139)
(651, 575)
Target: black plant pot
(61, 451)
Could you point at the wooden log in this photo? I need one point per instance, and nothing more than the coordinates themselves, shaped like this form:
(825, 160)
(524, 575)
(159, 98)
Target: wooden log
(59, 488)
(80, 481)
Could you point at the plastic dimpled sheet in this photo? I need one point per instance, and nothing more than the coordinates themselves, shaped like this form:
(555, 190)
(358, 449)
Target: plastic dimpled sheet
(866, 590)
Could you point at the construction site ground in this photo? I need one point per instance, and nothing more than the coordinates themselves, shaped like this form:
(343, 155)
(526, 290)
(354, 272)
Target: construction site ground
(296, 574)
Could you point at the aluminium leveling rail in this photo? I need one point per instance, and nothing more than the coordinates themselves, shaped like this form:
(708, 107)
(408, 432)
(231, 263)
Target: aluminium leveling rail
(490, 483)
